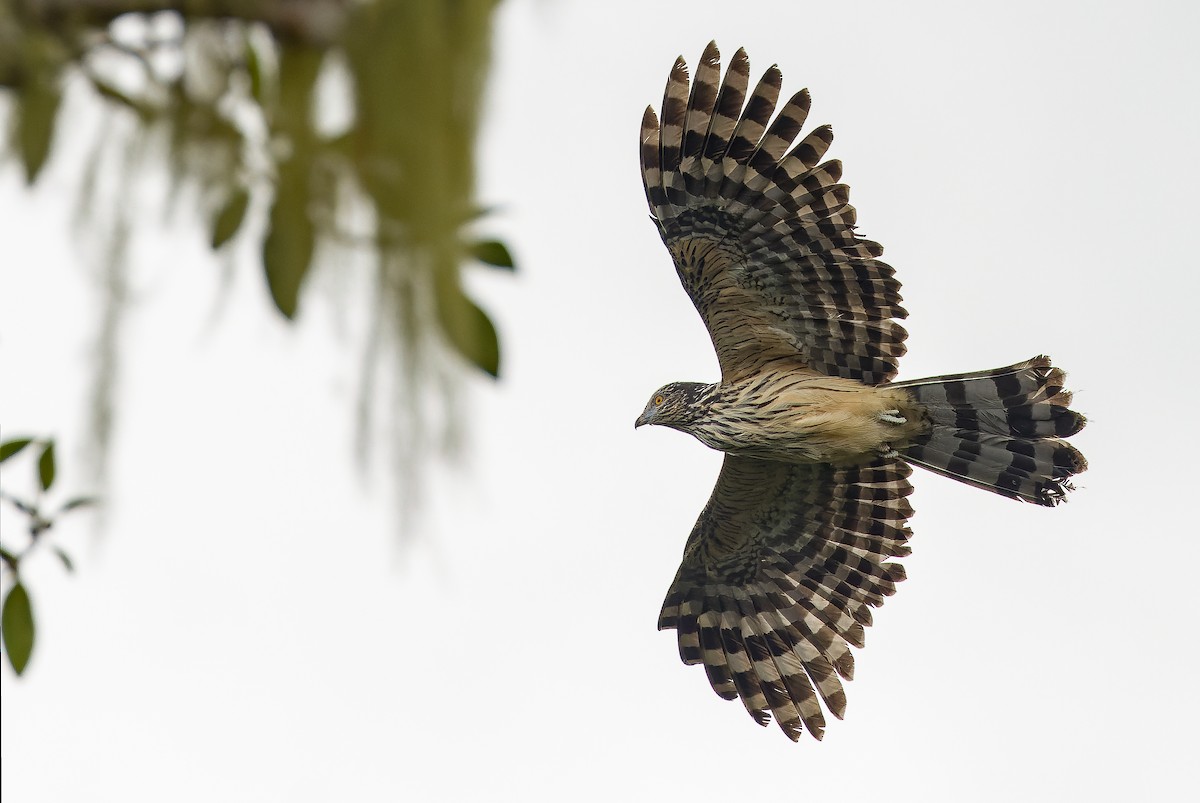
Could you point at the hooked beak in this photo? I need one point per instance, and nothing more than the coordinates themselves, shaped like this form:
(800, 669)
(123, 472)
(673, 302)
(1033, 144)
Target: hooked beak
(644, 418)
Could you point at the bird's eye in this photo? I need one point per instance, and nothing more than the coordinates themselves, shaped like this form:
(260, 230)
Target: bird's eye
(658, 400)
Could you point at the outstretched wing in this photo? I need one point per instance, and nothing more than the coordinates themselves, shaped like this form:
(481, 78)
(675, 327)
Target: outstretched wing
(778, 580)
(763, 236)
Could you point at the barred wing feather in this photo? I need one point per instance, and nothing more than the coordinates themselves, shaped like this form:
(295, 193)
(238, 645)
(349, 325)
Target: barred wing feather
(778, 580)
(762, 236)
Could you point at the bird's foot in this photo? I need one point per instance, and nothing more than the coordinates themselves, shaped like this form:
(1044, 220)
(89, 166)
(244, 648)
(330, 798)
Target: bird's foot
(892, 417)
(886, 451)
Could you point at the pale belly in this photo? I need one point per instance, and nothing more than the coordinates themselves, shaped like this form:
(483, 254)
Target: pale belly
(811, 420)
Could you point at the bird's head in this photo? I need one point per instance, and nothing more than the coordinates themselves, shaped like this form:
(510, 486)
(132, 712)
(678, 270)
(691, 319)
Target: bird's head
(677, 405)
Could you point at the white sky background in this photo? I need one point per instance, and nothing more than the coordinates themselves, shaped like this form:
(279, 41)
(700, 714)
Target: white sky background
(247, 631)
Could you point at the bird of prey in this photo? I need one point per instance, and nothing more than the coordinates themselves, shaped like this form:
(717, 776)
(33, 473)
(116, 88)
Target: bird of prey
(795, 546)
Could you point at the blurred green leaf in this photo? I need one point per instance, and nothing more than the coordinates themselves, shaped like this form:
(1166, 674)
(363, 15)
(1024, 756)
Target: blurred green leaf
(229, 219)
(291, 236)
(10, 448)
(67, 563)
(79, 501)
(35, 125)
(469, 329)
(39, 98)
(46, 466)
(254, 69)
(17, 623)
(291, 239)
(493, 252)
(8, 557)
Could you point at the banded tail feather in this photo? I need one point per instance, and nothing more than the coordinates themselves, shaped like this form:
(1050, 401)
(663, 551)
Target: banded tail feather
(1000, 430)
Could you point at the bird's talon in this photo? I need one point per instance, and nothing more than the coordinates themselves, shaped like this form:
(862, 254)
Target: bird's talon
(892, 417)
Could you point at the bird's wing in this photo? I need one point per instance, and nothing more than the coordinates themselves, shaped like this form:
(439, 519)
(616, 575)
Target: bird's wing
(763, 236)
(779, 577)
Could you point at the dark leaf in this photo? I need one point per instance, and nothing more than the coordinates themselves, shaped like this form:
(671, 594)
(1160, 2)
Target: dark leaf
(66, 559)
(79, 501)
(229, 219)
(468, 329)
(291, 235)
(288, 248)
(10, 448)
(493, 252)
(254, 69)
(17, 623)
(46, 466)
(43, 57)
(39, 102)
(9, 558)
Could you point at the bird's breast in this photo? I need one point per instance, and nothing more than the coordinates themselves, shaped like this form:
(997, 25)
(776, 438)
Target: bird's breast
(798, 418)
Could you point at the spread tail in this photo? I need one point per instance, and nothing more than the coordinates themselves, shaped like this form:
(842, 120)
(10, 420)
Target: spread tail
(1000, 430)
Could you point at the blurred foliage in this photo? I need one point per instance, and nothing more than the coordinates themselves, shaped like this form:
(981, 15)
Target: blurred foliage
(16, 618)
(329, 132)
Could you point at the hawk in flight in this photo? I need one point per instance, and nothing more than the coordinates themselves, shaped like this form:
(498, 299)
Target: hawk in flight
(795, 546)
